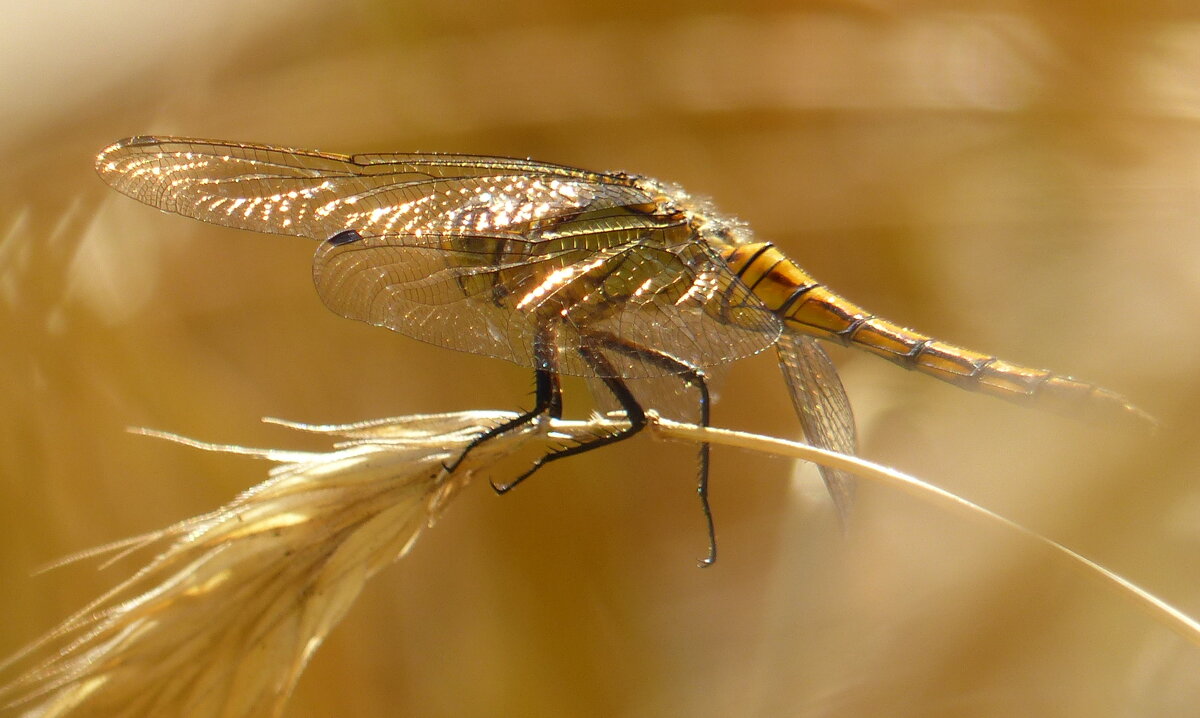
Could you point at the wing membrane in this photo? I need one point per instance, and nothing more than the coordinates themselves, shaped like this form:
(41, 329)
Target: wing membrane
(469, 252)
(489, 295)
(822, 407)
(316, 194)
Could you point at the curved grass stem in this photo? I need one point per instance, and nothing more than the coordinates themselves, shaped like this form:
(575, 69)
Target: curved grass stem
(1160, 610)
(283, 562)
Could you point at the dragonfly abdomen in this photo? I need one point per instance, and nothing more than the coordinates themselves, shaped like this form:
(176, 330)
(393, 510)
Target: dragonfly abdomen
(805, 305)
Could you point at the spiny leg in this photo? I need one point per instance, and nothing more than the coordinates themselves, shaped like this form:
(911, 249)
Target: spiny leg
(629, 405)
(547, 400)
(695, 376)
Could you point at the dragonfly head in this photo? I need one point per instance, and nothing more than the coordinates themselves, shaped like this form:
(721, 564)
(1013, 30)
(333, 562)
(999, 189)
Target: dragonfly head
(719, 230)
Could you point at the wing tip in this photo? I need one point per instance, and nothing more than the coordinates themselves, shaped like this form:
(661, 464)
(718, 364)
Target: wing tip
(105, 157)
(133, 141)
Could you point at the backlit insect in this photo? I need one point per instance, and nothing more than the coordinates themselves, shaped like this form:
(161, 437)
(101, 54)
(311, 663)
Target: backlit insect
(604, 275)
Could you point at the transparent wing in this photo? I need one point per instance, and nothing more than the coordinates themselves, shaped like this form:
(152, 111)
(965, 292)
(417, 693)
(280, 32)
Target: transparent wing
(317, 195)
(823, 408)
(468, 252)
(640, 278)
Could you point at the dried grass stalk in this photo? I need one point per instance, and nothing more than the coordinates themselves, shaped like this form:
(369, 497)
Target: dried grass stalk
(222, 622)
(224, 619)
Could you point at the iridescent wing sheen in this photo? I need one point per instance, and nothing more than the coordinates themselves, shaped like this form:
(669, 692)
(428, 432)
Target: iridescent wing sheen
(490, 296)
(317, 194)
(823, 408)
(472, 253)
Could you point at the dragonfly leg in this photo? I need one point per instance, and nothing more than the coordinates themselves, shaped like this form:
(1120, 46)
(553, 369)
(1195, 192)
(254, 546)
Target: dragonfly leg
(629, 405)
(547, 400)
(694, 376)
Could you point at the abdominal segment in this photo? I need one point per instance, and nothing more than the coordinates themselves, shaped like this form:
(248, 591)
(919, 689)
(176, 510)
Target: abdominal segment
(807, 306)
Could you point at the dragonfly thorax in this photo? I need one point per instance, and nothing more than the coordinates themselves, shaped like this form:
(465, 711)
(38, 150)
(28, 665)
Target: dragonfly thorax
(719, 230)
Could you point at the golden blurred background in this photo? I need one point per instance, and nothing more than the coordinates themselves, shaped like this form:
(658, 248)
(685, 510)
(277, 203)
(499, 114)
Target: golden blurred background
(1021, 177)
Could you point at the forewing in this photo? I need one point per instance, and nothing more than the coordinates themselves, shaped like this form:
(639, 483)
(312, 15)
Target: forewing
(822, 407)
(317, 195)
(469, 252)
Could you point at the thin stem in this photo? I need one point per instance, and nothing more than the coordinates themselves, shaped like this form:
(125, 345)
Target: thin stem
(1160, 610)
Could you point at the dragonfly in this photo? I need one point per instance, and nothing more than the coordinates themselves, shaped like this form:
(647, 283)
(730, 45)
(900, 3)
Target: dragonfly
(605, 275)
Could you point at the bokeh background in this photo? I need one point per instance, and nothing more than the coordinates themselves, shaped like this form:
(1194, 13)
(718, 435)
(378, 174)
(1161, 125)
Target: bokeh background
(1018, 176)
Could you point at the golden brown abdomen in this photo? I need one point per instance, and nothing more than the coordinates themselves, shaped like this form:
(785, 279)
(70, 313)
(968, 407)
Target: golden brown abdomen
(807, 306)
